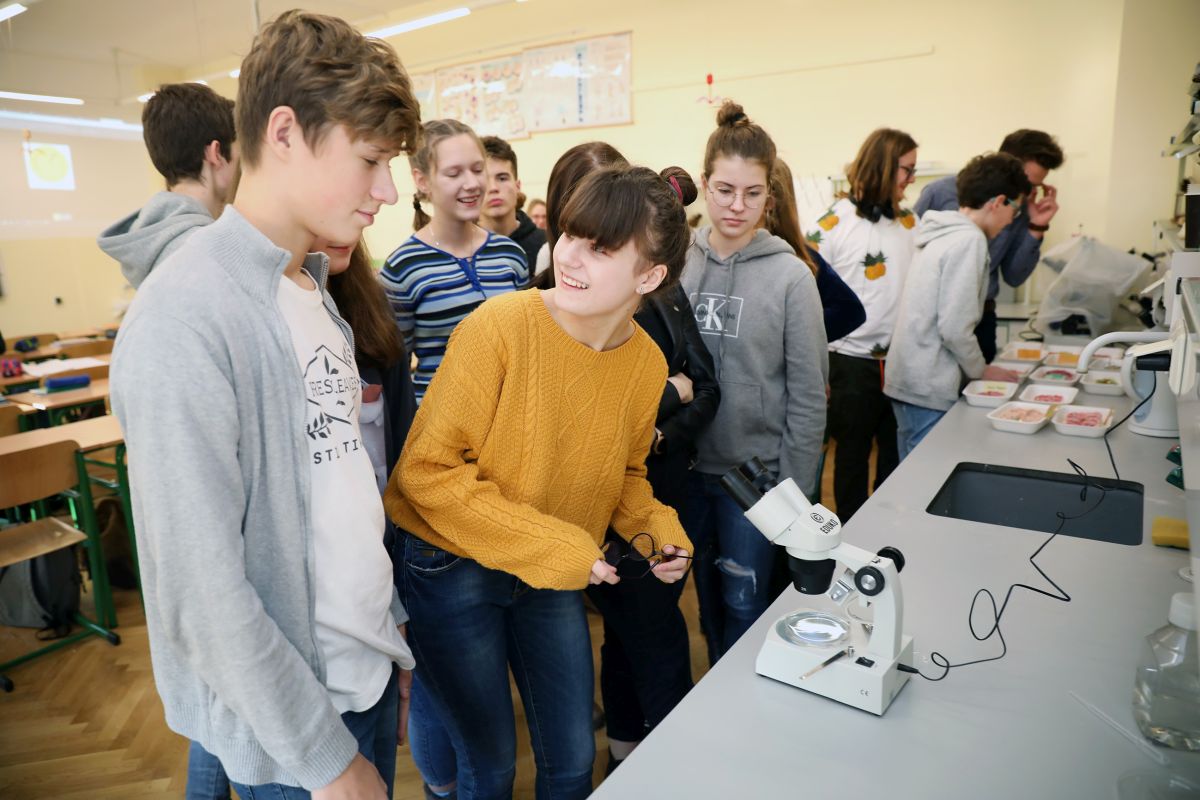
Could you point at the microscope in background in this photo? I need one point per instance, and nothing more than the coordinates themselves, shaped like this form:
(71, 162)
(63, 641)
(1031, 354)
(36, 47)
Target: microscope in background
(831, 652)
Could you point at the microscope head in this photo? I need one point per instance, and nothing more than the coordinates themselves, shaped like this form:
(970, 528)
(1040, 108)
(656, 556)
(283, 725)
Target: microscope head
(782, 513)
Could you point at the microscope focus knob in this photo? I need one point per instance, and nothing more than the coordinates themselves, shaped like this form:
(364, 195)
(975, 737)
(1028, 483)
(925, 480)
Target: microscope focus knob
(869, 581)
(895, 555)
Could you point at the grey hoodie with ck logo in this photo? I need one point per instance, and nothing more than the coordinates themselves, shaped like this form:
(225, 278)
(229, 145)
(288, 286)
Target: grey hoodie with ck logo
(760, 316)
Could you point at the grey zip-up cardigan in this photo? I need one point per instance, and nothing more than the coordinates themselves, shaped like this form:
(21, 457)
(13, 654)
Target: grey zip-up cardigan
(210, 397)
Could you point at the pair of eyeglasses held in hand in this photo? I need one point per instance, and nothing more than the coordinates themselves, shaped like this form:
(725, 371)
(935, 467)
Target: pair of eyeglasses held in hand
(639, 557)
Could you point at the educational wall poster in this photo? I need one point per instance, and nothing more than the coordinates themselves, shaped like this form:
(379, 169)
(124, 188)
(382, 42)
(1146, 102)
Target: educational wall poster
(458, 95)
(423, 87)
(572, 85)
(579, 84)
(607, 84)
(500, 94)
(48, 166)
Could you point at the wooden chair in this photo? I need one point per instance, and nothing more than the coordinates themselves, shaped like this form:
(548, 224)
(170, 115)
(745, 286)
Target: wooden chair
(95, 373)
(10, 419)
(34, 475)
(97, 347)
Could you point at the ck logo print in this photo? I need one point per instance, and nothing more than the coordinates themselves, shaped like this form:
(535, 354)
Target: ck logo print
(717, 314)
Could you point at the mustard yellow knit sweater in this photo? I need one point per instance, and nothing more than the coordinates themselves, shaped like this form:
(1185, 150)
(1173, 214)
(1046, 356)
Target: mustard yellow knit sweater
(528, 445)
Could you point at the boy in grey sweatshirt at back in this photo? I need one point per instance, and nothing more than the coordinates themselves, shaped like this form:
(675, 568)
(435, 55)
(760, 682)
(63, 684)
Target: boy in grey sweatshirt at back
(190, 136)
(934, 345)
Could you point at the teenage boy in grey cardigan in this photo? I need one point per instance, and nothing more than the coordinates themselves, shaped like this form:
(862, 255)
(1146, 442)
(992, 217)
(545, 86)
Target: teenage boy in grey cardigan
(934, 343)
(218, 421)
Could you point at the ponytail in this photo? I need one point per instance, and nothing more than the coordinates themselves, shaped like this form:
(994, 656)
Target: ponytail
(737, 136)
(420, 218)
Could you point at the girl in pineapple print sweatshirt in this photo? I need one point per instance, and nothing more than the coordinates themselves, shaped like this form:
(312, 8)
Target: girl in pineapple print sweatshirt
(872, 257)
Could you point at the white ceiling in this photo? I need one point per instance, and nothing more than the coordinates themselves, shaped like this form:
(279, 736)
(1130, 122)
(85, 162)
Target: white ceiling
(176, 33)
(109, 51)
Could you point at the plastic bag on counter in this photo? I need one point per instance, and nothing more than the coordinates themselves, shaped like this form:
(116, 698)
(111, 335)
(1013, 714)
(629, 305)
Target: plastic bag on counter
(1092, 278)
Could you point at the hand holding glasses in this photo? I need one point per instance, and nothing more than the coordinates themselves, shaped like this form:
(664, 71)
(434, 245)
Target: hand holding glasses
(641, 556)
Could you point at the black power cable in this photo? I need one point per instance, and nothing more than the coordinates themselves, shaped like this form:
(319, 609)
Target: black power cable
(1134, 410)
(997, 613)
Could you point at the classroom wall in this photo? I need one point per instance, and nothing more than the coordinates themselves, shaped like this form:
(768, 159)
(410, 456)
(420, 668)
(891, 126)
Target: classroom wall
(820, 76)
(1158, 53)
(1105, 76)
(53, 275)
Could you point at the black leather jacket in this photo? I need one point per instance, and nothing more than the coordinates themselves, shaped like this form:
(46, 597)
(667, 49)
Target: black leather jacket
(681, 423)
(670, 321)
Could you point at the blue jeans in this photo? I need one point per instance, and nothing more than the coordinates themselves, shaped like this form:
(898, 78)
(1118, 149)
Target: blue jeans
(375, 730)
(732, 567)
(432, 750)
(912, 424)
(429, 743)
(645, 662)
(206, 778)
(469, 625)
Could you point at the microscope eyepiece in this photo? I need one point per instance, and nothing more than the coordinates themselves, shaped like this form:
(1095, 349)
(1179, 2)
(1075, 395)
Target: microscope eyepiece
(757, 473)
(739, 487)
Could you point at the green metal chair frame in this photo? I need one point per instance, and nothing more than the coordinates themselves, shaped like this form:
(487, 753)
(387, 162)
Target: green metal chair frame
(79, 498)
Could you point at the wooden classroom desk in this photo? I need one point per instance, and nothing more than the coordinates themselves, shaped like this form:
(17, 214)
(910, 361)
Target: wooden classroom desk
(94, 392)
(42, 353)
(22, 380)
(90, 434)
(87, 333)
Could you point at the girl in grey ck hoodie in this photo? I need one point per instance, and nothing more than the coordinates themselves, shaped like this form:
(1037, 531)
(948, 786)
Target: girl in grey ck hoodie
(759, 313)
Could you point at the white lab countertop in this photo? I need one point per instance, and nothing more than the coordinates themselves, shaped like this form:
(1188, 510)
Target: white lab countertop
(1027, 726)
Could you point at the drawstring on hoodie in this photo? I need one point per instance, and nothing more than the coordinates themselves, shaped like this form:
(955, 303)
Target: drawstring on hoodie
(728, 294)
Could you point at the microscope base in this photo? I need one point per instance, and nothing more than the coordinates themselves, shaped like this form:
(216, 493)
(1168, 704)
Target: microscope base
(868, 688)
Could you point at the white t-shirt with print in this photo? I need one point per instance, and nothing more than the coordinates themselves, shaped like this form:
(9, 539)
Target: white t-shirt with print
(873, 259)
(354, 624)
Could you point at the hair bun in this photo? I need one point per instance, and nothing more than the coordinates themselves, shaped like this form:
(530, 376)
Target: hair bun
(679, 177)
(732, 114)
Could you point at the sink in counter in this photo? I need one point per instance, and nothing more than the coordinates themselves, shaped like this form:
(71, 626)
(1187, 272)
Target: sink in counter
(1031, 500)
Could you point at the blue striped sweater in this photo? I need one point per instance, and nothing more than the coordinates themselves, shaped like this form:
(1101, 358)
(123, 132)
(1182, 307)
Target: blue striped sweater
(431, 291)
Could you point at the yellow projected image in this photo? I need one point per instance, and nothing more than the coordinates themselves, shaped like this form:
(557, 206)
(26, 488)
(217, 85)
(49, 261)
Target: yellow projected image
(48, 166)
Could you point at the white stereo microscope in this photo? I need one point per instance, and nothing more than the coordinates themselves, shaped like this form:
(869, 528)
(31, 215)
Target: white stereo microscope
(839, 655)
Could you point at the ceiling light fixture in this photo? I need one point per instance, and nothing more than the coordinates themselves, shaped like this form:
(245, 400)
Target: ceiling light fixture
(422, 22)
(10, 11)
(107, 123)
(41, 98)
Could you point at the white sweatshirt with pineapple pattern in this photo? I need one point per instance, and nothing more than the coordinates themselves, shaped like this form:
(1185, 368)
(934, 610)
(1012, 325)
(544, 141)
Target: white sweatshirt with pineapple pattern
(872, 258)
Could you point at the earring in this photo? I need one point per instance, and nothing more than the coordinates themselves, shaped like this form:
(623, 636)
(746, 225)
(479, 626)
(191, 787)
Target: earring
(641, 290)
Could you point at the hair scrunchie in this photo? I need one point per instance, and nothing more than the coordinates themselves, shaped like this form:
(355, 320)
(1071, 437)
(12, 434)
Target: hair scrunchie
(416, 202)
(675, 185)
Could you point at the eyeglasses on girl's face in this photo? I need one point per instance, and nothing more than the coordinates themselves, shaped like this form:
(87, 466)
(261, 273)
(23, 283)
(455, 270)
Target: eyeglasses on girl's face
(724, 195)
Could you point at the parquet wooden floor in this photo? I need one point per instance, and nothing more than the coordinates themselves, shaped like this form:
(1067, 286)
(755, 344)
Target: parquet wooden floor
(86, 723)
